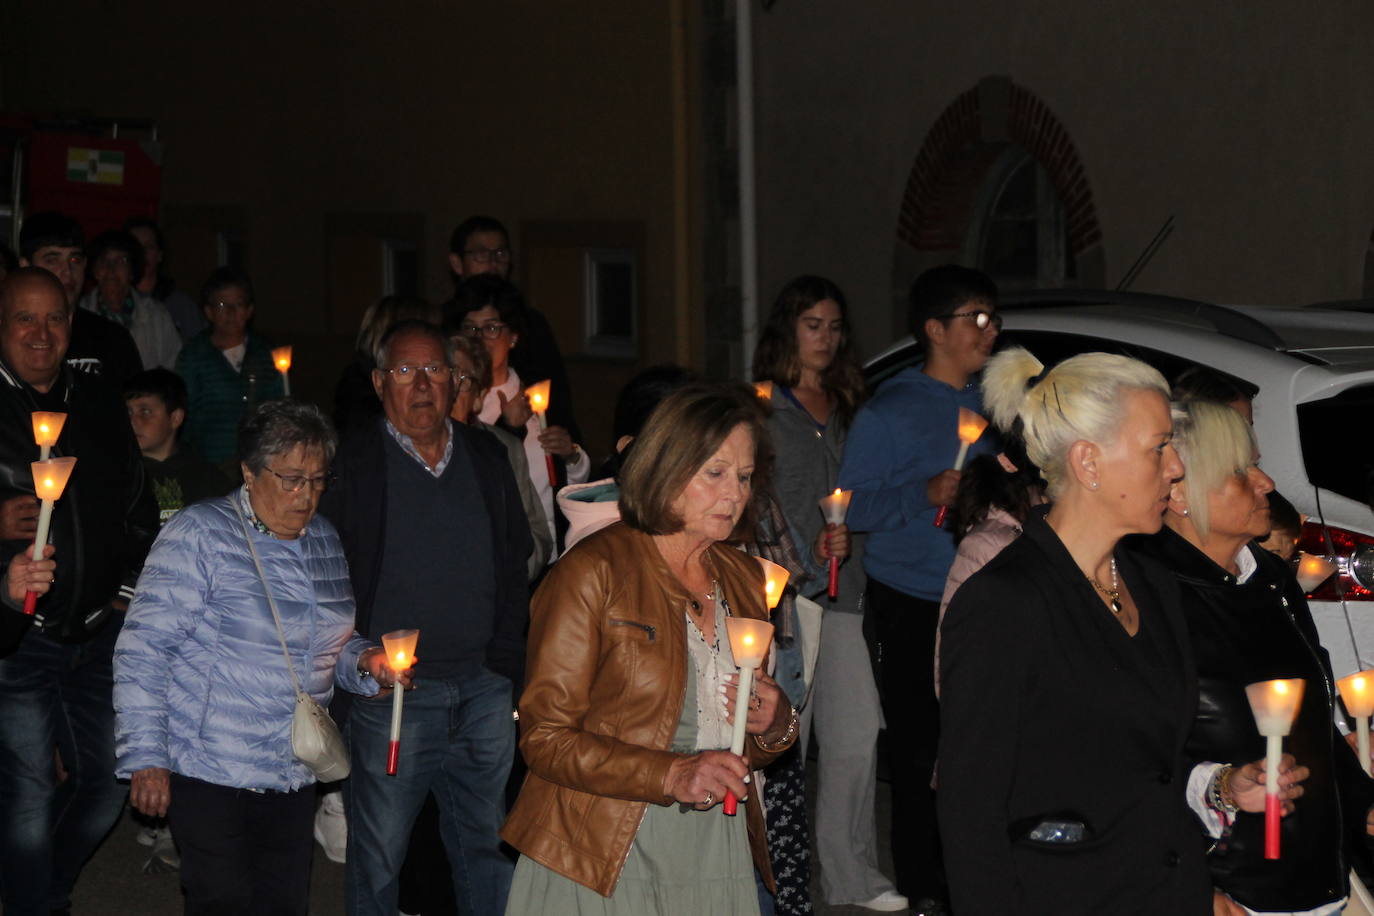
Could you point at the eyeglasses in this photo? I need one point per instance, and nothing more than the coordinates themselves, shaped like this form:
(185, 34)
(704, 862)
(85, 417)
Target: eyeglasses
(491, 330)
(465, 383)
(229, 306)
(980, 319)
(406, 375)
(294, 483)
(487, 255)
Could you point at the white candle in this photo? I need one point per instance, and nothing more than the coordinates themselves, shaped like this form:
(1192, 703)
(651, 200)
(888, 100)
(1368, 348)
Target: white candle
(281, 358)
(1357, 692)
(399, 646)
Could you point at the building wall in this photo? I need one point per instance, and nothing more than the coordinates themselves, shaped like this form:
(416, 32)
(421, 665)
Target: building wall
(316, 129)
(1249, 123)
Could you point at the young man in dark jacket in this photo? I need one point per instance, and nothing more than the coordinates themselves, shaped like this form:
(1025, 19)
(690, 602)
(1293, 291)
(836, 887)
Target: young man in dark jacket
(55, 676)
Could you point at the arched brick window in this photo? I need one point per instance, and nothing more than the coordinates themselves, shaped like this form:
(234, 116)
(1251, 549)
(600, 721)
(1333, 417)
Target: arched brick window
(998, 184)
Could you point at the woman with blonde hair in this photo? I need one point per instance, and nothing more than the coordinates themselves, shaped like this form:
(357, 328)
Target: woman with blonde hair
(1067, 680)
(1248, 621)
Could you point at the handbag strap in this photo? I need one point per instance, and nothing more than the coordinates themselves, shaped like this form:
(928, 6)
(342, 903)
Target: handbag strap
(267, 587)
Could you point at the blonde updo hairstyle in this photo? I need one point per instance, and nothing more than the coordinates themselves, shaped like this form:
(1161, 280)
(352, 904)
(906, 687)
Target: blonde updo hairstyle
(1080, 398)
(1214, 442)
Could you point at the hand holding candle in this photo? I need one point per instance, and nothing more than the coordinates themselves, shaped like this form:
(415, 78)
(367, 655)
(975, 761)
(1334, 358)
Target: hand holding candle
(400, 655)
(47, 426)
(971, 427)
(1275, 704)
(836, 507)
(281, 358)
(749, 639)
(49, 480)
(538, 393)
(1357, 692)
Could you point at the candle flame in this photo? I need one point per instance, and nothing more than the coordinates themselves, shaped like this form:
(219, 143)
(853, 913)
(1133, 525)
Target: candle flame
(971, 426)
(539, 396)
(281, 358)
(1280, 686)
(836, 494)
(400, 659)
(749, 639)
(764, 390)
(1359, 683)
(47, 426)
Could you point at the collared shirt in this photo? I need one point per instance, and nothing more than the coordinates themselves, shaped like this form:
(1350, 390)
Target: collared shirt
(407, 445)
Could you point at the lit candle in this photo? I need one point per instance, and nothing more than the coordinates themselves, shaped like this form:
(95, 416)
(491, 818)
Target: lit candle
(281, 358)
(400, 655)
(1357, 692)
(749, 640)
(47, 426)
(1274, 704)
(538, 393)
(971, 427)
(836, 507)
(764, 390)
(1313, 571)
(49, 480)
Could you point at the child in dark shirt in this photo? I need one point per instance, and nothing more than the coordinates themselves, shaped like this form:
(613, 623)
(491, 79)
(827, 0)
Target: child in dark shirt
(156, 399)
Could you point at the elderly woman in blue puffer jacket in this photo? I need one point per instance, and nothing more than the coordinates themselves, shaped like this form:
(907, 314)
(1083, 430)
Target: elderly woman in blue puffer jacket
(203, 698)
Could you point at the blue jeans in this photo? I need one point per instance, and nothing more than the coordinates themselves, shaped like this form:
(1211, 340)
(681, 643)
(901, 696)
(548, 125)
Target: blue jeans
(457, 741)
(55, 696)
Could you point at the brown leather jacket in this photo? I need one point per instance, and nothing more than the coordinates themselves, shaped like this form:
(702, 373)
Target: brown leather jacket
(607, 678)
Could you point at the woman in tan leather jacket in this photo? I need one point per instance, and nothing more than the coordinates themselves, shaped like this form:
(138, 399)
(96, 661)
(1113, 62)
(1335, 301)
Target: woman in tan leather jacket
(631, 680)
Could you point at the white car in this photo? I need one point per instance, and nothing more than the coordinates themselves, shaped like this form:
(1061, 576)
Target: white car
(1314, 368)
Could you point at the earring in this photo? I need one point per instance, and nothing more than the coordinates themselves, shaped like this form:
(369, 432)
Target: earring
(1094, 485)
(1185, 513)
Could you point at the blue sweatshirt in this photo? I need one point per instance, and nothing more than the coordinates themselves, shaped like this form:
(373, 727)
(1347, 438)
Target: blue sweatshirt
(905, 435)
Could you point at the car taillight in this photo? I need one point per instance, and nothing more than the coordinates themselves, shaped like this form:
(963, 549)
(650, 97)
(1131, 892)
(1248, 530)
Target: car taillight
(1353, 554)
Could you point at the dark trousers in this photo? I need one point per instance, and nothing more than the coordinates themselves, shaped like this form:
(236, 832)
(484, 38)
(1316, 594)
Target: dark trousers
(904, 627)
(55, 696)
(243, 851)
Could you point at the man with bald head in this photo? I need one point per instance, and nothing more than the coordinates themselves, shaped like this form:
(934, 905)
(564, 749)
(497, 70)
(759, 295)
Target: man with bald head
(55, 667)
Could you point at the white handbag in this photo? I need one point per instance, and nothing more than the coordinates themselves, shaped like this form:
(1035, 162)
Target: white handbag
(315, 739)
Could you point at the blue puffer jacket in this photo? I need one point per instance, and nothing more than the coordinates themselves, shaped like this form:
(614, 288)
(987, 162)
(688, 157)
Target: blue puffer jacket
(201, 687)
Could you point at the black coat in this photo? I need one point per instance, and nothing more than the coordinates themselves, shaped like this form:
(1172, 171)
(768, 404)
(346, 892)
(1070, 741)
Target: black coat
(1050, 710)
(356, 505)
(106, 519)
(1258, 631)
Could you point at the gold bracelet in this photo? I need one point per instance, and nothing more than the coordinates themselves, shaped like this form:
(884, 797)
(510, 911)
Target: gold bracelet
(787, 737)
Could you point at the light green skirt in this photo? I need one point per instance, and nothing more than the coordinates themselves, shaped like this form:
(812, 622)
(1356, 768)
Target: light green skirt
(681, 862)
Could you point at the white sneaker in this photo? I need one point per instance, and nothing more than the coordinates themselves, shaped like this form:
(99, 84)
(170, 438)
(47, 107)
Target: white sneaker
(886, 902)
(331, 827)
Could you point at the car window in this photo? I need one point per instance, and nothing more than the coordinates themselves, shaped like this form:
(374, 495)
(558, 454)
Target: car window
(1330, 431)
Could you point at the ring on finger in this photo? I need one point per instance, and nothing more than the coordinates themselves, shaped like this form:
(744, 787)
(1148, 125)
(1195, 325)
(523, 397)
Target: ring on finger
(709, 800)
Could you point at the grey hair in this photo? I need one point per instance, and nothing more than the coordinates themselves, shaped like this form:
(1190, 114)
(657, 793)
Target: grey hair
(410, 326)
(276, 427)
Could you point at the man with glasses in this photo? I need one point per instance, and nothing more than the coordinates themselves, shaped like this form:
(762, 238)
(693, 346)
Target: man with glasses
(436, 539)
(481, 245)
(98, 346)
(898, 463)
(55, 666)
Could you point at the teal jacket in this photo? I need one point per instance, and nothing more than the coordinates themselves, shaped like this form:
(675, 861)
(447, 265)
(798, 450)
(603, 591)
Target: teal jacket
(217, 396)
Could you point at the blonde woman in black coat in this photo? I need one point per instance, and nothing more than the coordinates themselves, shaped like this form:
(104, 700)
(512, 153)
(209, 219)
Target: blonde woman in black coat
(1068, 683)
